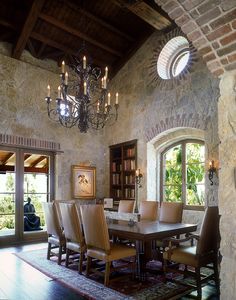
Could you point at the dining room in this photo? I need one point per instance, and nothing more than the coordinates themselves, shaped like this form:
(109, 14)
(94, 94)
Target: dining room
(111, 104)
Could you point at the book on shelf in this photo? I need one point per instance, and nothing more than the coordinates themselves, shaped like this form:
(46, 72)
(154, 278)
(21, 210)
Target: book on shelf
(129, 193)
(115, 178)
(129, 164)
(116, 167)
(130, 152)
(129, 179)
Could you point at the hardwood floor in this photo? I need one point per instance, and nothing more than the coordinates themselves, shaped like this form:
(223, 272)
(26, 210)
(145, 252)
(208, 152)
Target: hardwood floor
(20, 281)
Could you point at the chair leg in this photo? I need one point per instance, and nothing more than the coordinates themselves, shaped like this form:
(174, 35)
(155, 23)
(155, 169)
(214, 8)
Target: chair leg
(185, 271)
(67, 257)
(81, 257)
(88, 265)
(59, 255)
(107, 273)
(198, 280)
(216, 275)
(49, 250)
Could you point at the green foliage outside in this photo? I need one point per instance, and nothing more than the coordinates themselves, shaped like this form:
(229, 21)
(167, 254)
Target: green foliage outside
(7, 200)
(195, 173)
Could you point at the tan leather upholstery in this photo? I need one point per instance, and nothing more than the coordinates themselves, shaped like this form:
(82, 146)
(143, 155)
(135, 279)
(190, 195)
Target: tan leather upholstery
(55, 234)
(73, 231)
(148, 210)
(171, 212)
(126, 206)
(97, 239)
(204, 253)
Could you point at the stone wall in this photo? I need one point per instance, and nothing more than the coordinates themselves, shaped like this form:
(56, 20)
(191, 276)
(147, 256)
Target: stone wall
(227, 187)
(23, 113)
(146, 111)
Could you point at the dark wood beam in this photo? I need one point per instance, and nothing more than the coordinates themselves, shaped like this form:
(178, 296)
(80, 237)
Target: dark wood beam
(37, 161)
(100, 21)
(5, 160)
(67, 50)
(146, 13)
(5, 168)
(78, 34)
(27, 28)
(31, 48)
(26, 156)
(41, 49)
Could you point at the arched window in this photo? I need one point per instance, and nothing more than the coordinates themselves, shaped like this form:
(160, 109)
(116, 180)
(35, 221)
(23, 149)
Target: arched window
(183, 173)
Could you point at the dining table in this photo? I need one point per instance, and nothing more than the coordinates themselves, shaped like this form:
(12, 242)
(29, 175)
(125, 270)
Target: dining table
(143, 234)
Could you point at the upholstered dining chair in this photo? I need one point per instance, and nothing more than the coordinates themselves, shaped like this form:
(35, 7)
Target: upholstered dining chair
(126, 206)
(98, 243)
(171, 212)
(204, 253)
(56, 238)
(148, 210)
(75, 242)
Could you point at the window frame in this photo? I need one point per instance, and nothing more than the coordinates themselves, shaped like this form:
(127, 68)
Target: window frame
(183, 186)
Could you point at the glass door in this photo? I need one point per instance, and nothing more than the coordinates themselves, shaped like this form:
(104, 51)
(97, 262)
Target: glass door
(7, 193)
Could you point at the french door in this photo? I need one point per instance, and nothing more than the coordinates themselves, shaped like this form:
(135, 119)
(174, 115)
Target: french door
(26, 181)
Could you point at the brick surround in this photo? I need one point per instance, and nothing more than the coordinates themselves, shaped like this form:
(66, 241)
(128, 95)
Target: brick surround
(211, 26)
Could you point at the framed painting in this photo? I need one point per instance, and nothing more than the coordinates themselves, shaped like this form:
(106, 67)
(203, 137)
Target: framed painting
(83, 182)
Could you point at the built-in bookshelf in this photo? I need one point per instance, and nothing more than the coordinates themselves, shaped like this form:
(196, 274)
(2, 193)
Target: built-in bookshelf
(123, 163)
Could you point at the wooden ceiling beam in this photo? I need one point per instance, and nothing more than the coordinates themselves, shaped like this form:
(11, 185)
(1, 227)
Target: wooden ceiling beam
(26, 156)
(65, 49)
(146, 13)
(4, 169)
(100, 21)
(31, 47)
(78, 34)
(27, 28)
(37, 161)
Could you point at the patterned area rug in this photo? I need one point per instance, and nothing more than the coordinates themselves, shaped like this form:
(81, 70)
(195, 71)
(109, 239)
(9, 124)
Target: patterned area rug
(123, 287)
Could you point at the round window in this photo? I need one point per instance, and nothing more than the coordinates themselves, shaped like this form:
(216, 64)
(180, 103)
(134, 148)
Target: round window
(173, 57)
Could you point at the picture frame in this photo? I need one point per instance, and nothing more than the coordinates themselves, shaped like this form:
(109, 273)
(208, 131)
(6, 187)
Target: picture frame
(83, 182)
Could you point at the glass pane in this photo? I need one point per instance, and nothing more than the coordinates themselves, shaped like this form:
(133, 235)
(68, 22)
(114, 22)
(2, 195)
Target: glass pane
(7, 193)
(36, 190)
(195, 173)
(195, 153)
(173, 166)
(172, 193)
(195, 194)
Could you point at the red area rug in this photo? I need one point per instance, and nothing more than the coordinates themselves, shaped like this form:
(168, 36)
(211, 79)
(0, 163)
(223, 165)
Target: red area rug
(124, 287)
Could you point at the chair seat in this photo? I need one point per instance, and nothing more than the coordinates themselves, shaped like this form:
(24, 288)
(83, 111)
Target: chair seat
(117, 251)
(56, 240)
(183, 254)
(76, 247)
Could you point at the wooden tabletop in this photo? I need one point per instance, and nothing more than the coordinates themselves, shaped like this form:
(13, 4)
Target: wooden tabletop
(148, 230)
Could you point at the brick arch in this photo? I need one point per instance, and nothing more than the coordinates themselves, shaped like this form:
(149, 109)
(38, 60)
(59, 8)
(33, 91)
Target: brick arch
(181, 120)
(211, 26)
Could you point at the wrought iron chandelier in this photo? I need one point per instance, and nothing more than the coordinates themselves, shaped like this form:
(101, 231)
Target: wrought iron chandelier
(85, 102)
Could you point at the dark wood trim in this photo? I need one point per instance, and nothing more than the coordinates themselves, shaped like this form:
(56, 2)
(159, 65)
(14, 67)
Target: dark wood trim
(27, 28)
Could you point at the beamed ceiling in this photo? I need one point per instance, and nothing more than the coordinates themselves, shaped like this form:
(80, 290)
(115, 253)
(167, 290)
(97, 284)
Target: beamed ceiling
(112, 30)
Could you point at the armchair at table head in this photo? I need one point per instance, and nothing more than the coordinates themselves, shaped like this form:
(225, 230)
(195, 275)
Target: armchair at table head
(201, 255)
(56, 236)
(126, 206)
(171, 212)
(97, 240)
(148, 210)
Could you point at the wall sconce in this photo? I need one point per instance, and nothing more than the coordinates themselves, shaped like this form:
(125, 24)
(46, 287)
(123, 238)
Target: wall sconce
(138, 177)
(211, 171)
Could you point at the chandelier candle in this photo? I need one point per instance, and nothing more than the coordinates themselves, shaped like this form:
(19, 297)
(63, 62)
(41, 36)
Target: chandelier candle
(84, 101)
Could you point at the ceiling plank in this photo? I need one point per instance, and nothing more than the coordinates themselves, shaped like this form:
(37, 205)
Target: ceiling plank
(67, 50)
(37, 161)
(27, 28)
(100, 21)
(78, 34)
(5, 160)
(146, 13)
(26, 156)
(41, 49)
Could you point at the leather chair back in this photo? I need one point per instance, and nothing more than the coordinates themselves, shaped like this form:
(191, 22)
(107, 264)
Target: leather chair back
(71, 222)
(52, 220)
(171, 212)
(95, 227)
(209, 232)
(148, 210)
(126, 206)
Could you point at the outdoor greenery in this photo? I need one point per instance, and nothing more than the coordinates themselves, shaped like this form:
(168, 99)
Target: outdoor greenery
(7, 199)
(194, 170)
